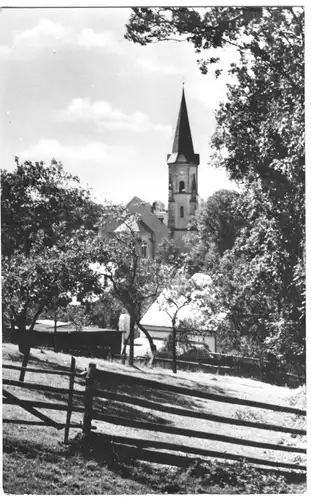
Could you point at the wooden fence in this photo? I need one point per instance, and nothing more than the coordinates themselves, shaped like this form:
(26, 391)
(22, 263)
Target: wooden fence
(106, 385)
(226, 364)
(31, 406)
(101, 378)
(235, 366)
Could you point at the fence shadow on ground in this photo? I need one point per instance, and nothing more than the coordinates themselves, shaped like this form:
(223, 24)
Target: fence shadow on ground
(127, 411)
(156, 396)
(125, 461)
(115, 408)
(130, 460)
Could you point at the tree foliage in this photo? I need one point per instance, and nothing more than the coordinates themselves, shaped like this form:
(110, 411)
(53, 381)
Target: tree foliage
(47, 278)
(261, 127)
(39, 197)
(45, 254)
(168, 252)
(172, 301)
(105, 312)
(135, 281)
(260, 142)
(217, 225)
(191, 305)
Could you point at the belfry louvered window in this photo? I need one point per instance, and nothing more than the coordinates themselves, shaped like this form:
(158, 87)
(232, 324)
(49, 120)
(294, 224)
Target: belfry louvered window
(182, 187)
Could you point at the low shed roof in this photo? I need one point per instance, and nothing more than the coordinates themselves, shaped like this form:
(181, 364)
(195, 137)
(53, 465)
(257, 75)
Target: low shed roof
(47, 326)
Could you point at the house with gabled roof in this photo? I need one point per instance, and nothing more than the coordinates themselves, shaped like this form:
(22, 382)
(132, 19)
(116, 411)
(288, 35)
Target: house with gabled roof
(144, 222)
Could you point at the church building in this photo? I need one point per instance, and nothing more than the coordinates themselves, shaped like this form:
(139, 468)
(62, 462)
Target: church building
(155, 223)
(183, 165)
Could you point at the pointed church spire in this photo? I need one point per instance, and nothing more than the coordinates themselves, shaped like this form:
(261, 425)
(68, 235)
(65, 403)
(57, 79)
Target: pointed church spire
(183, 140)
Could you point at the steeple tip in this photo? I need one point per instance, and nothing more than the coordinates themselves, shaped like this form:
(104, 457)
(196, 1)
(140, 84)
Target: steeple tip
(183, 139)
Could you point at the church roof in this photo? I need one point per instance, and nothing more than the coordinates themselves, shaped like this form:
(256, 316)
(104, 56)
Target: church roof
(146, 221)
(183, 140)
(183, 144)
(137, 206)
(131, 225)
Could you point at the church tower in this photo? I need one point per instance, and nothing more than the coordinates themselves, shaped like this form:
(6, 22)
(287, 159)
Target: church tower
(183, 177)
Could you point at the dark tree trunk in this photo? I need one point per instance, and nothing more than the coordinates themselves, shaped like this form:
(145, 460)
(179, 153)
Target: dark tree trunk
(124, 350)
(131, 337)
(174, 357)
(26, 243)
(23, 342)
(24, 348)
(152, 346)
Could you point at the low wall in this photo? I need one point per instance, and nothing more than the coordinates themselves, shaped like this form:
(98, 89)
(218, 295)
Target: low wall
(84, 343)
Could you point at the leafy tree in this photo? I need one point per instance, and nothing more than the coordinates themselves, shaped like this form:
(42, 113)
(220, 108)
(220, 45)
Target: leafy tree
(105, 312)
(196, 291)
(172, 301)
(218, 222)
(211, 28)
(38, 197)
(260, 142)
(217, 225)
(45, 254)
(135, 281)
(272, 265)
(169, 253)
(48, 277)
(262, 288)
(73, 313)
(265, 149)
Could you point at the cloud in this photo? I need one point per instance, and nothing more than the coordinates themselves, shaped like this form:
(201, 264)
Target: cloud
(148, 66)
(108, 170)
(55, 35)
(104, 115)
(5, 50)
(90, 39)
(44, 33)
(92, 151)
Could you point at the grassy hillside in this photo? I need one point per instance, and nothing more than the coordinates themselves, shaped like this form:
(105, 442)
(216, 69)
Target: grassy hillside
(36, 462)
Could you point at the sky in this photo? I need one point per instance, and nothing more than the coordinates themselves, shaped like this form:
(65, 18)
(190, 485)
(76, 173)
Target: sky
(74, 89)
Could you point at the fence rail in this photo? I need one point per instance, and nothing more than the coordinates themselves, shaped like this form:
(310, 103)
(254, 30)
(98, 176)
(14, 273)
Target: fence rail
(31, 406)
(40, 387)
(98, 387)
(48, 406)
(194, 414)
(43, 370)
(167, 429)
(102, 377)
(143, 444)
(223, 364)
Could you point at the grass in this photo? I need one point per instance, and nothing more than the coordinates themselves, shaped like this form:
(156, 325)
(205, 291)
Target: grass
(36, 462)
(38, 470)
(30, 469)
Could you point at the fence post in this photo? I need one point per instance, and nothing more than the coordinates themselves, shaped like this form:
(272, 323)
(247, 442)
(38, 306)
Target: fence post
(88, 398)
(24, 366)
(70, 397)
